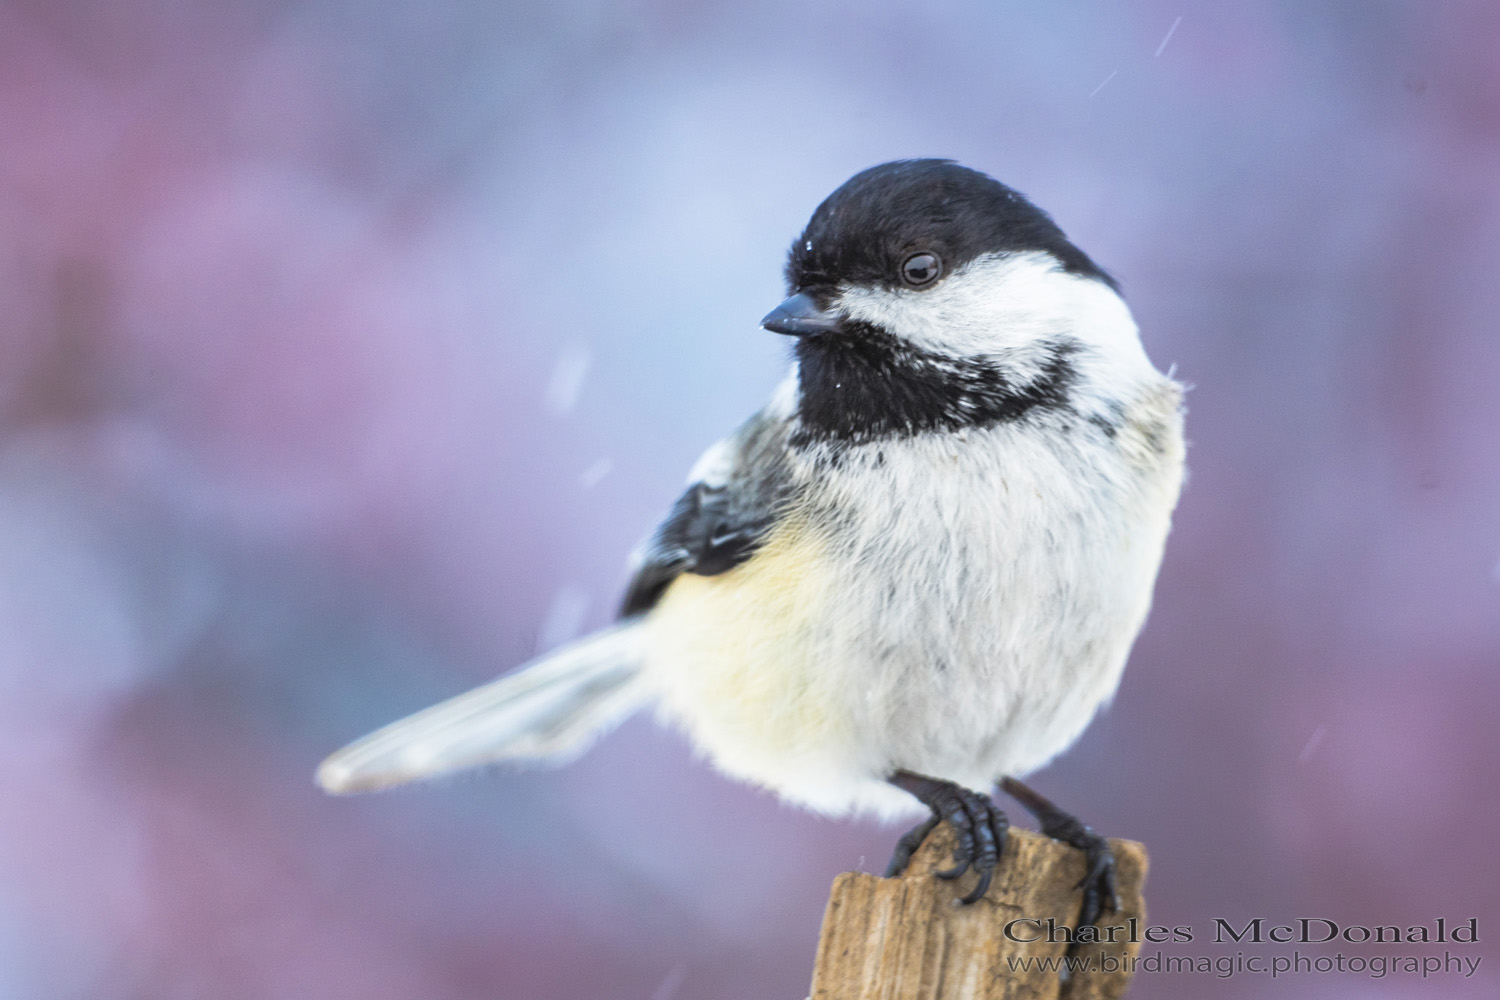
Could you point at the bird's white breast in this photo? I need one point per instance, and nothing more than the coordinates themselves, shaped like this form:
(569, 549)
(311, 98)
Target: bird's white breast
(957, 605)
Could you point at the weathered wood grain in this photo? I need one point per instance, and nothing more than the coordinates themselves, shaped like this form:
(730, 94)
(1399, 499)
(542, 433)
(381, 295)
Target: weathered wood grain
(905, 939)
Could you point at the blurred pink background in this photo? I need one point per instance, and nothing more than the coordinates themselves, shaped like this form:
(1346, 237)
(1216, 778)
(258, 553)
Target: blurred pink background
(349, 348)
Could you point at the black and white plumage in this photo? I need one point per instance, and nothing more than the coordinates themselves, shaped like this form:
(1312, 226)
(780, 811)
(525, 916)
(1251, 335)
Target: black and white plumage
(919, 569)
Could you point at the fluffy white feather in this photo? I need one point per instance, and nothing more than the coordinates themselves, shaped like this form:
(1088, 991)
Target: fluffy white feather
(955, 605)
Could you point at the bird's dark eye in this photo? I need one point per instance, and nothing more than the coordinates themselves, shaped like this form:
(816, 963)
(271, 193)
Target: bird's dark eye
(921, 269)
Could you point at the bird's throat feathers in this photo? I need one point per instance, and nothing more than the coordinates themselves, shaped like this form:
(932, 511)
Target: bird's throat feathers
(867, 385)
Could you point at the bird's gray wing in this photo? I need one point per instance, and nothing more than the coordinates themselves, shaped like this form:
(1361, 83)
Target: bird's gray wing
(740, 487)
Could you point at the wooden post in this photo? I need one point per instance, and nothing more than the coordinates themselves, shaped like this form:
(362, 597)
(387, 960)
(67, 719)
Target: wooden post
(905, 939)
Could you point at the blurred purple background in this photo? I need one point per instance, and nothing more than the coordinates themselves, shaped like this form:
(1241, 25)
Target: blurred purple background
(349, 348)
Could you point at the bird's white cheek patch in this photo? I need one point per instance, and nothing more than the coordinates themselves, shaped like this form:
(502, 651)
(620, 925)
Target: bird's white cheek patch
(992, 305)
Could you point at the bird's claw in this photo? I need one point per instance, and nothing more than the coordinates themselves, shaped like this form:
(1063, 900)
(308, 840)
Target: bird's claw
(908, 844)
(1098, 885)
(978, 824)
(1098, 882)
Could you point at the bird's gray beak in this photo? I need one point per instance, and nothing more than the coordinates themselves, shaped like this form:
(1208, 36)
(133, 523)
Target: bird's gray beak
(800, 316)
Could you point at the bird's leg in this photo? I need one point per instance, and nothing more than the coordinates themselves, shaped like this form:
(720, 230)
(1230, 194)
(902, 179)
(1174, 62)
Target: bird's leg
(977, 822)
(1098, 883)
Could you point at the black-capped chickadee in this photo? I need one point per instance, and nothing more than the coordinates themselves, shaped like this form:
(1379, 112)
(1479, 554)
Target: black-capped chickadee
(917, 571)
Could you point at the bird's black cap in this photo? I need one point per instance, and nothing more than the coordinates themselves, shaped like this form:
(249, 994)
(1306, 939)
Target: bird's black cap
(877, 219)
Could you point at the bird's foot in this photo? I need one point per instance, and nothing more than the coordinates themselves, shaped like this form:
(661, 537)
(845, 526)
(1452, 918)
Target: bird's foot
(977, 822)
(1098, 882)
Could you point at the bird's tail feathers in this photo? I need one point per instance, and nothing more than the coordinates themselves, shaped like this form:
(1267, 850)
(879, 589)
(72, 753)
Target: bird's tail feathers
(548, 711)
